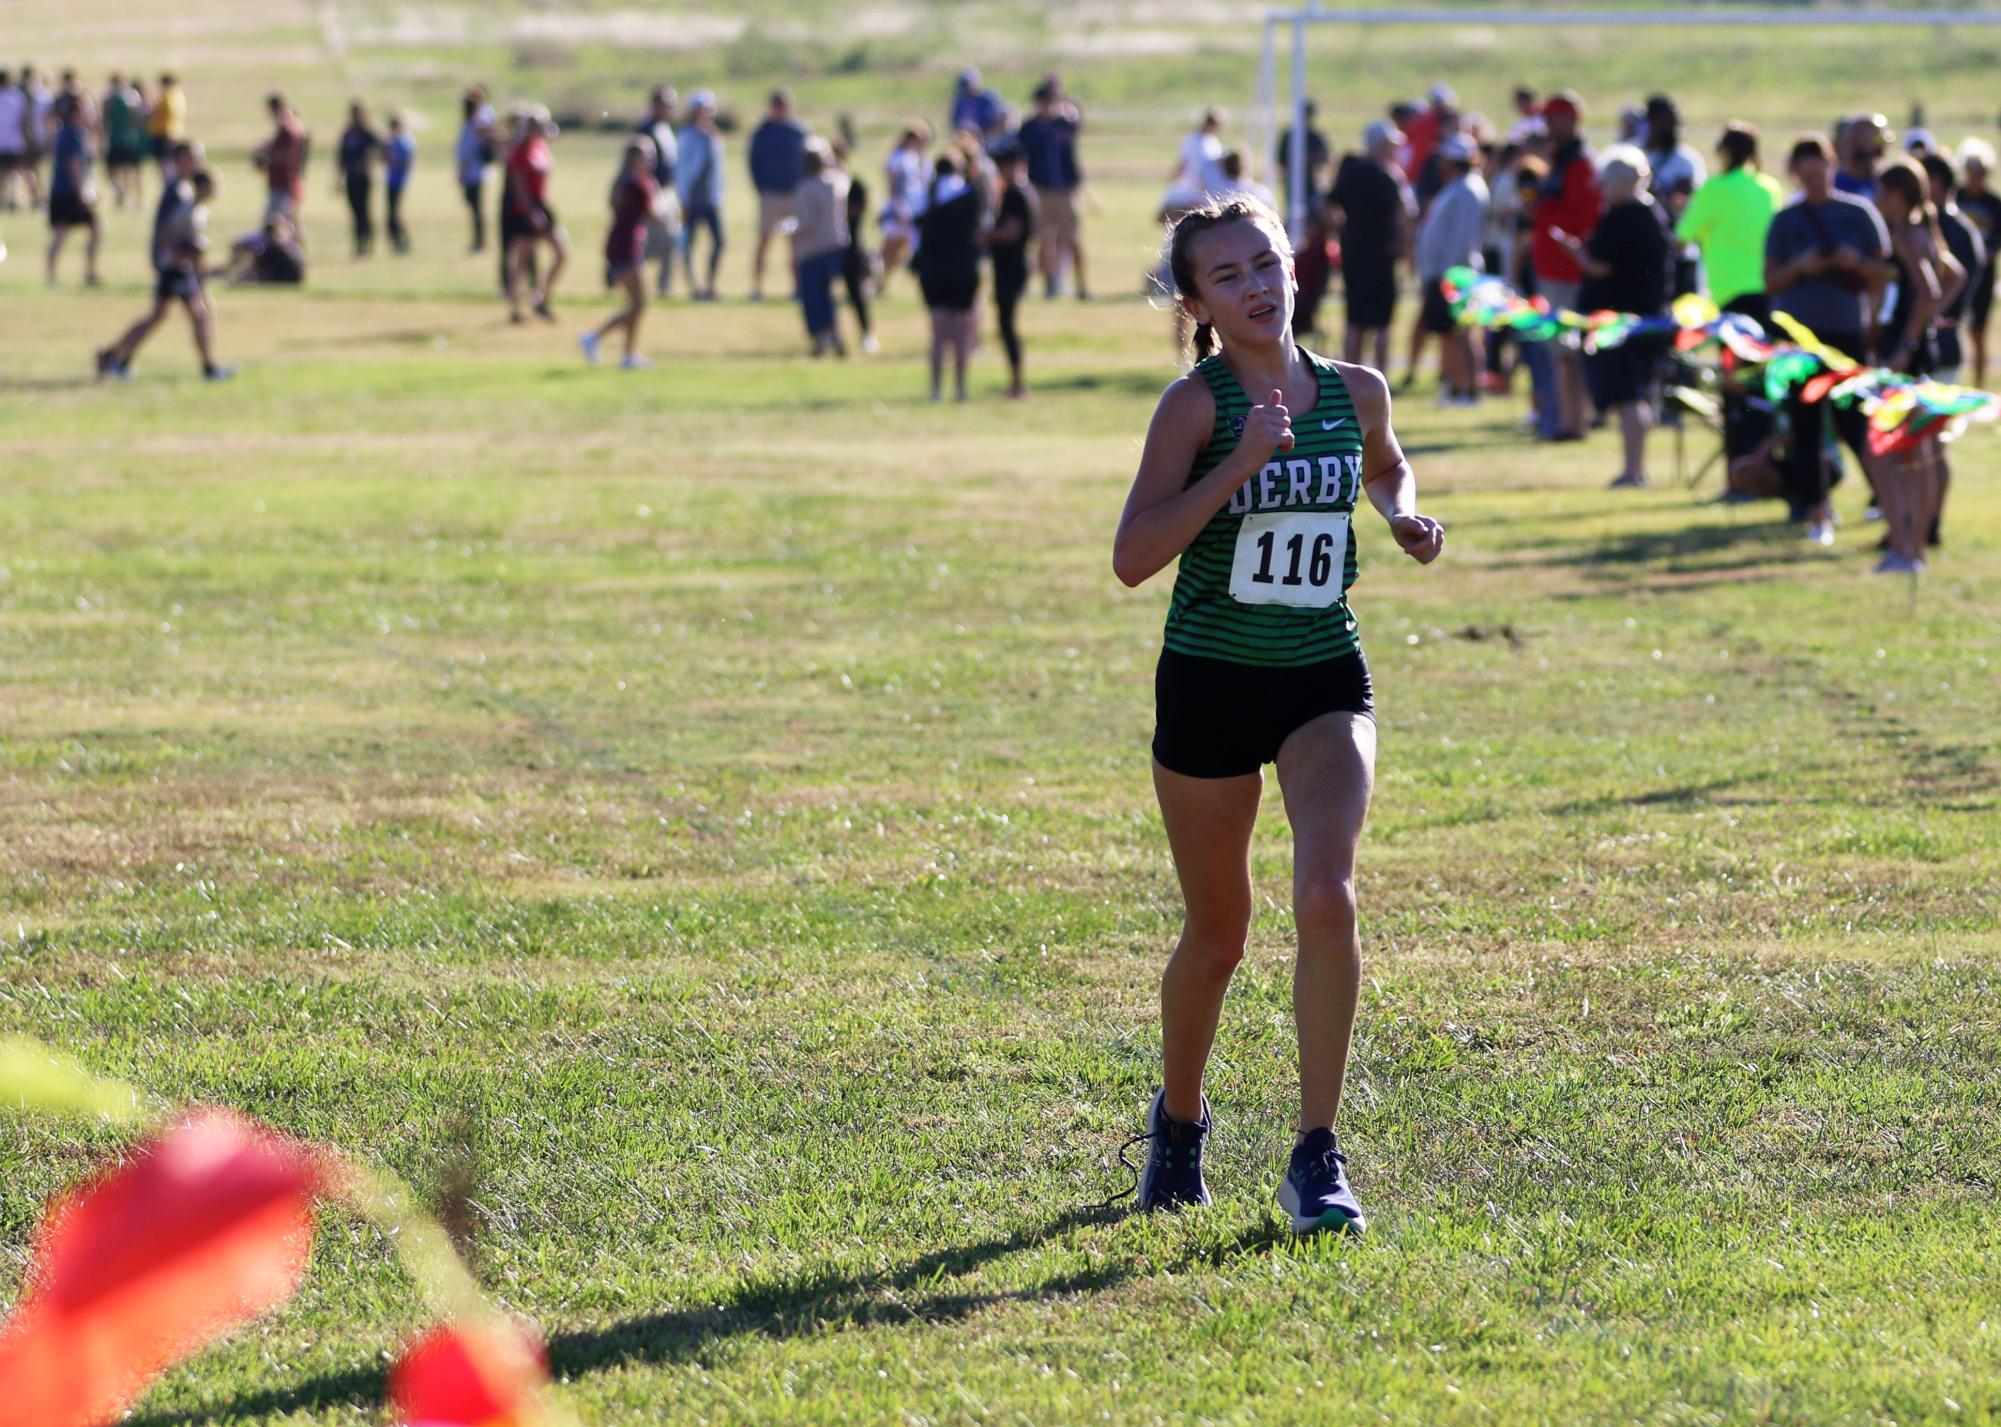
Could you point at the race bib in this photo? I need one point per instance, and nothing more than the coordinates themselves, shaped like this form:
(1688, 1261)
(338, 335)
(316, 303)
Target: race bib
(1292, 558)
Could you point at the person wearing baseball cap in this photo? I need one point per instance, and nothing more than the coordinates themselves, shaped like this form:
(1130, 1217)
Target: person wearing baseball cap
(1566, 207)
(1372, 209)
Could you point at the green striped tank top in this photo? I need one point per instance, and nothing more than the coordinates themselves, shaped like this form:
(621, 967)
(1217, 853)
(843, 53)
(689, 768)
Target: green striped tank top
(1257, 584)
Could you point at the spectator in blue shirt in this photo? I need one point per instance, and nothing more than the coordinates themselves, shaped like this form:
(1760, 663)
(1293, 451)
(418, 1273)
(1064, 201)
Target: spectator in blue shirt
(698, 179)
(1048, 140)
(777, 163)
(976, 107)
(398, 154)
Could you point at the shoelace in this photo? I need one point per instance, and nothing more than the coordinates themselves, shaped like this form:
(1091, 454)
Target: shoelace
(1330, 1160)
(1133, 1169)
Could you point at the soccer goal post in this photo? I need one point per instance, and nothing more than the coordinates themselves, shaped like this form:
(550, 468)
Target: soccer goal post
(1295, 24)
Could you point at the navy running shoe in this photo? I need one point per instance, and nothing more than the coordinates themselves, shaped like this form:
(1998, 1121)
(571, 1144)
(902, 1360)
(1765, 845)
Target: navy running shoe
(1316, 1191)
(1173, 1174)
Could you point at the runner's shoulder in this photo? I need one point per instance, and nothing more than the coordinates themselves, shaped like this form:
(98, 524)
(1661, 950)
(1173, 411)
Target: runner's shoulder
(1188, 405)
(1367, 389)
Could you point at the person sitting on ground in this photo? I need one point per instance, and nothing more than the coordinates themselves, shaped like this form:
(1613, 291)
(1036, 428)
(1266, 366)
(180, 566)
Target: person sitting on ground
(270, 256)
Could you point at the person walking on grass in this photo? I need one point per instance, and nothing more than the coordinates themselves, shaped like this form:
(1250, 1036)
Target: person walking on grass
(777, 157)
(72, 198)
(180, 247)
(1824, 255)
(698, 177)
(635, 199)
(1628, 265)
(948, 267)
(535, 222)
(820, 213)
(399, 156)
(1015, 219)
(1253, 468)
(360, 149)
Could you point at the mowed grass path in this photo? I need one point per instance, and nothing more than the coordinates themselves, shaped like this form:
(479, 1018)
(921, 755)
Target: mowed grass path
(723, 795)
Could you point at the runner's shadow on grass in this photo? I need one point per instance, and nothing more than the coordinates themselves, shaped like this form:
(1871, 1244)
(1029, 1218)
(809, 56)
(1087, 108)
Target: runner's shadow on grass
(1709, 548)
(802, 1305)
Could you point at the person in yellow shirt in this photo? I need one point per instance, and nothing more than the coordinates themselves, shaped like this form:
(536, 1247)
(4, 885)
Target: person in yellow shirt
(167, 122)
(1727, 217)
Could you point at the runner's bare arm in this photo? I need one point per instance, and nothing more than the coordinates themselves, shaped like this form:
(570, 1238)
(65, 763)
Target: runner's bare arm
(1386, 475)
(1163, 512)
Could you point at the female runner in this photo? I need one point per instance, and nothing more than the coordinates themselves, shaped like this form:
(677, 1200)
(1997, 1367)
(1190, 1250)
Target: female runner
(1260, 665)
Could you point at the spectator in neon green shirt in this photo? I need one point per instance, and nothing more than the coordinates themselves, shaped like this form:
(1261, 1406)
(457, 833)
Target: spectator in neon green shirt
(1727, 218)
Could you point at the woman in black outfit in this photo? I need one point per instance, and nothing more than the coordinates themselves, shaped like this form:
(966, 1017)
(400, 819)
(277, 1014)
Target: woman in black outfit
(948, 268)
(1628, 267)
(359, 148)
(858, 265)
(1014, 225)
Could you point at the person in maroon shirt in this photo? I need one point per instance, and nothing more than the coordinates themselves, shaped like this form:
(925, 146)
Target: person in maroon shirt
(283, 159)
(635, 201)
(528, 169)
(1566, 208)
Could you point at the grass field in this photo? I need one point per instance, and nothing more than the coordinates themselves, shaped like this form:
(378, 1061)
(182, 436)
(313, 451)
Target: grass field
(722, 793)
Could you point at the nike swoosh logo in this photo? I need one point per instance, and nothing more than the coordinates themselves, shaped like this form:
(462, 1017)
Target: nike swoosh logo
(1330, 425)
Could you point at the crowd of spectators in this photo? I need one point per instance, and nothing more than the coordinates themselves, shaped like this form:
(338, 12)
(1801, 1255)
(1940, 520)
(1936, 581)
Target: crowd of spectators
(1886, 257)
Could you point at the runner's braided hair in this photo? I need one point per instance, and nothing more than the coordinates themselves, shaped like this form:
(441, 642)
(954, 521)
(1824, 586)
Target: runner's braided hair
(1192, 225)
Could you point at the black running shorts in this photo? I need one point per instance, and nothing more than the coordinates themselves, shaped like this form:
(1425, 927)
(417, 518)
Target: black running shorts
(1214, 719)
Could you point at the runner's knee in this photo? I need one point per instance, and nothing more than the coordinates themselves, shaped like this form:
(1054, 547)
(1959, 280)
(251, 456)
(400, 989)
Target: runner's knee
(1323, 898)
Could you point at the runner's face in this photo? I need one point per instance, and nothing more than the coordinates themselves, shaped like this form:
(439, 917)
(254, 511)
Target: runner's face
(1243, 278)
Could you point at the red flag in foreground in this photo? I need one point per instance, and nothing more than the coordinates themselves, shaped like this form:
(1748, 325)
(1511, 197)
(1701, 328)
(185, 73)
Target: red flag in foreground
(461, 1375)
(210, 1223)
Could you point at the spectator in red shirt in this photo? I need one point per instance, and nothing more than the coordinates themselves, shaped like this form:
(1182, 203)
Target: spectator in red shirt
(527, 196)
(283, 159)
(1566, 207)
(635, 203)
(1427, 127)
